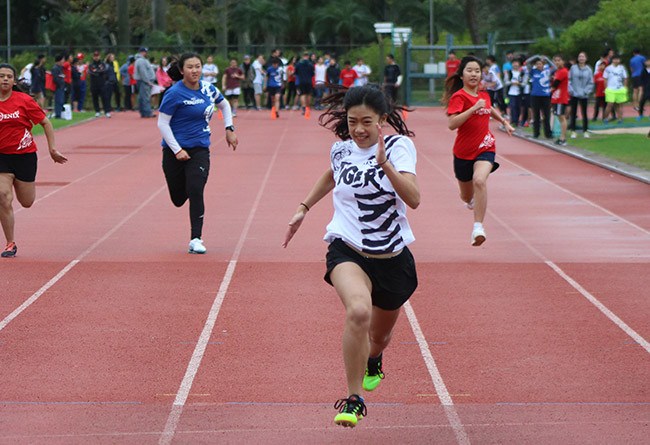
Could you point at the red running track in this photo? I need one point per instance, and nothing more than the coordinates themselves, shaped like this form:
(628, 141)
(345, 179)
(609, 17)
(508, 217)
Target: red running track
(111, 333)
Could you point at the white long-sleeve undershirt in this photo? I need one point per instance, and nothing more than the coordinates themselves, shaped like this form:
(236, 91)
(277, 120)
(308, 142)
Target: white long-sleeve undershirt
(166, 129)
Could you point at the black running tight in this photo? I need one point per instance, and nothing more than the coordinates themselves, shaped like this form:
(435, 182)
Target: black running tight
(186, 180)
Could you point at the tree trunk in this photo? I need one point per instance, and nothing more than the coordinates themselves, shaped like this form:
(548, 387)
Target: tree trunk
(471, 15)
(123, 29)
(222, 32)
(159, 15)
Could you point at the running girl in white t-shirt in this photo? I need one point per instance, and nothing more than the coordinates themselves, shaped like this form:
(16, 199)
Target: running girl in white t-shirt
(373, 180)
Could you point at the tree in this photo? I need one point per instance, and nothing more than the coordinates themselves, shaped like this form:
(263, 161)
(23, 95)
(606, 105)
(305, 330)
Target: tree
(74, 29)
(123, 29)
(159, 15)
(471, 16)
(342, 20)
(263, 20)
(620, 24)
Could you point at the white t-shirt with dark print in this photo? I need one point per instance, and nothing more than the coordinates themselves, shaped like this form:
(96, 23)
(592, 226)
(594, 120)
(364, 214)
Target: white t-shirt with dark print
(615, 76)
(368, 213)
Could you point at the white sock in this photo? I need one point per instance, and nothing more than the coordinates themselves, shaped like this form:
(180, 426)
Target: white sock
(478, 225)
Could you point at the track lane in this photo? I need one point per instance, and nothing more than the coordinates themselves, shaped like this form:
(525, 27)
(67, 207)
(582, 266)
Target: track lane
(444, 259)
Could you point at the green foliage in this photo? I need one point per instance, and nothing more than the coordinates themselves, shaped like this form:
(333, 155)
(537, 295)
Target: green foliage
(74, 29)
(158, 39)
(263, 20)
(21, 60)
(343, 20)
(619, 24)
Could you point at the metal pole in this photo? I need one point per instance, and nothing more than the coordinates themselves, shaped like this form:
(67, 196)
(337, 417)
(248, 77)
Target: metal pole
(432, 83)
(8, 31)
(431, 26)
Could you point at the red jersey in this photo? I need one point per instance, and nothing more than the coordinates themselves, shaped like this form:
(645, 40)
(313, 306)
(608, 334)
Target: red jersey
(452, 67)
(560, 94)
(473, 137)
(348, 76)
(17, 117)
(599, 81)
(83, 71)
(67, 72)
(291, 73)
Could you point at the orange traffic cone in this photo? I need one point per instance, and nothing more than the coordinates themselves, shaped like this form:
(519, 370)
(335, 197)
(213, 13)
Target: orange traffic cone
(405, 115)
(220, 115)
(307, 113)
(274, 115)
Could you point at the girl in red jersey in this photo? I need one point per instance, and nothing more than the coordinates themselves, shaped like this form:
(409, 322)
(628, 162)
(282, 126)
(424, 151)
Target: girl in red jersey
(469, 110)
(18, 113)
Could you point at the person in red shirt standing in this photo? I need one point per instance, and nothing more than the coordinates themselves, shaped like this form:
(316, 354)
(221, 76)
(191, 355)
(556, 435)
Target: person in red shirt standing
(452, 64)
(67, 77)
(348, 75)
(560, 96)
(18, 161)
(469, 110)
(132, 82)
(599, 92)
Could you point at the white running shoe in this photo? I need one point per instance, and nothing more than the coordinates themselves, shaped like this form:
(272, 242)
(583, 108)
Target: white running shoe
(470, 204)
(108, 115)
(196, 246)
(478, 236)
(573, 135)
(585, 134)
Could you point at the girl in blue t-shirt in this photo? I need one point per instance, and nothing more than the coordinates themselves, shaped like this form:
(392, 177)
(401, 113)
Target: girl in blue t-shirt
(274, 84)
(540, 92)
(184, 122)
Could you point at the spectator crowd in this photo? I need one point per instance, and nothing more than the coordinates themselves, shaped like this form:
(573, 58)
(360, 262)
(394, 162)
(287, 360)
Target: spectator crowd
(529, 89)
(274, 82)
(526, 89)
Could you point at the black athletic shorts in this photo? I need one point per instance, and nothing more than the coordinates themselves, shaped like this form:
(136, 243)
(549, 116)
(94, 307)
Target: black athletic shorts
(393, 279)
(464, 168)
(23, 166)
(305, 89)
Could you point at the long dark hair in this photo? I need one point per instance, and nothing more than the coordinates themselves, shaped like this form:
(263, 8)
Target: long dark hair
(176, 65)
(455, 81)
(18, 86)
(339, 102)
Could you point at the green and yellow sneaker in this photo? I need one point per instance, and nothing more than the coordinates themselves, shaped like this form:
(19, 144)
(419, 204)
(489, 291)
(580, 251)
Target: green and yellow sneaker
(351, 410)
(374, 374)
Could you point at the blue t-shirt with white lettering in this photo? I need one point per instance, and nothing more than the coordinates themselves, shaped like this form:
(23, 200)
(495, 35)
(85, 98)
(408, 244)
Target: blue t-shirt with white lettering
(191, 111)
(540, 82)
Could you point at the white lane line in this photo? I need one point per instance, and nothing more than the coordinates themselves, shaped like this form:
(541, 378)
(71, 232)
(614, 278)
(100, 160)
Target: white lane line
(575, 195)
(586, 294)
(36, 295)
(197, 356)
(601, 307)
(441, 389)
(105, 166)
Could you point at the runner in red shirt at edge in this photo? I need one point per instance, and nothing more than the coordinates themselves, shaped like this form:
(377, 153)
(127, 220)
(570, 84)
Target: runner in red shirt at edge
(469, 111)
(18, 162)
